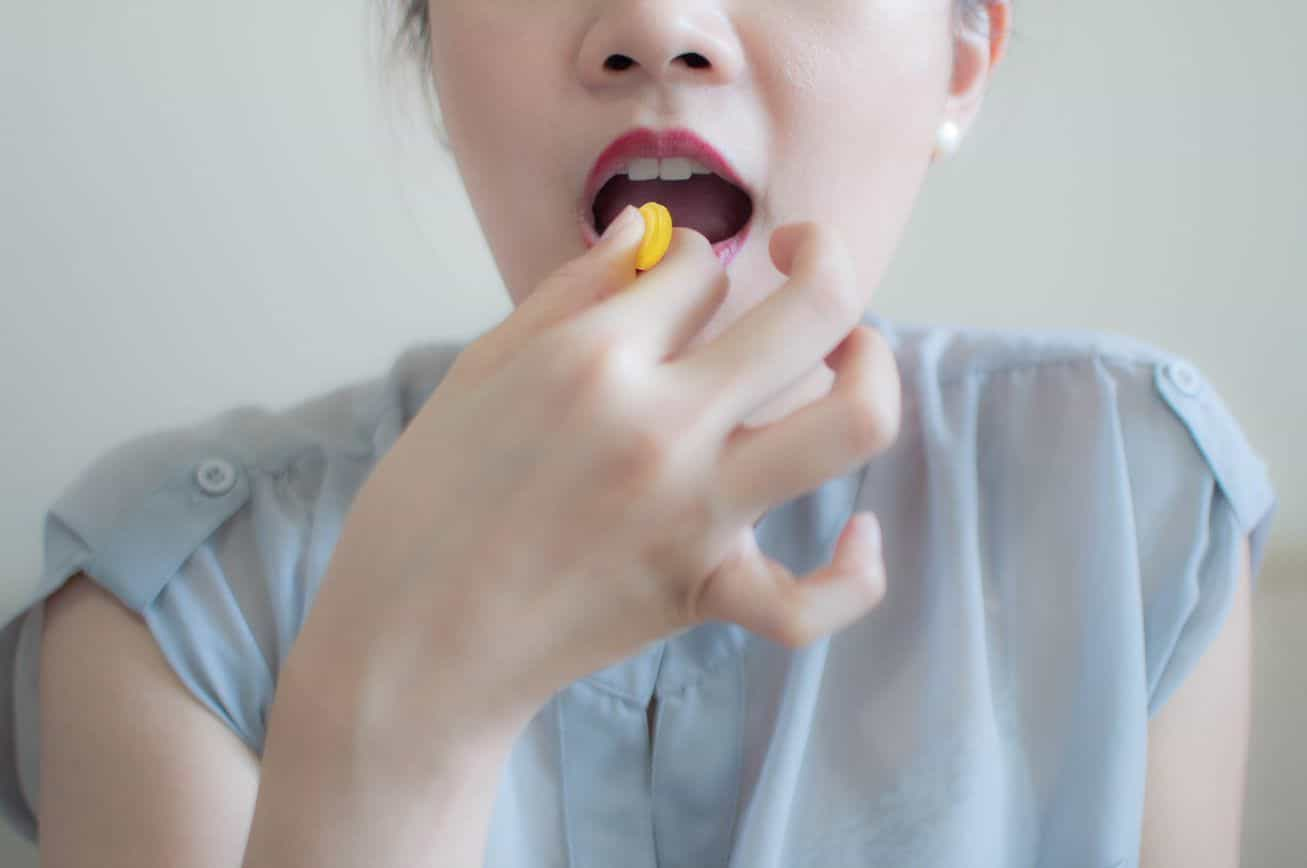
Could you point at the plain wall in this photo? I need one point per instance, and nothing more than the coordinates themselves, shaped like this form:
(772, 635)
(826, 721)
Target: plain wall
(207, 205)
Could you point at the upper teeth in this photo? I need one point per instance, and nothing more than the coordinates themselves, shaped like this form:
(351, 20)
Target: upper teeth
(666, 169)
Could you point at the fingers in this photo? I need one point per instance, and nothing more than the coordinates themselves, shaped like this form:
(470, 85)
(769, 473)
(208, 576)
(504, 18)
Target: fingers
(783, 337)
(666, 307)
(859, 419)
(762, 595)
(602, 271)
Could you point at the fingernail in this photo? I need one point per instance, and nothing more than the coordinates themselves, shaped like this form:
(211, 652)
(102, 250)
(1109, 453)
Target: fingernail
(621, 222)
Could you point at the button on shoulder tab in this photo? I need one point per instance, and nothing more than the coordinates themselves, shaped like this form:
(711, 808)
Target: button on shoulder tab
(1241, 475)
(1183, 377)
(216, 476)
(144, 507)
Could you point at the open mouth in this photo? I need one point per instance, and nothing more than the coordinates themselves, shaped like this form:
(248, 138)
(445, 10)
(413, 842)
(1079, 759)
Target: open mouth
(681, 171)
(697, 197)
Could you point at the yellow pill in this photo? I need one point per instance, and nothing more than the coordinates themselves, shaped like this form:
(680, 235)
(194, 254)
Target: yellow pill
(657, 236)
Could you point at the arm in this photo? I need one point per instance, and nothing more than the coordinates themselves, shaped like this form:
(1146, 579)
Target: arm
(334, 799)
(134, 771)
(137, 773)
(1197, 753)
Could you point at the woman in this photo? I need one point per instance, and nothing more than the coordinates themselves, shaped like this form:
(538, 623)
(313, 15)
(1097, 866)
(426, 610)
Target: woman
(604, 586)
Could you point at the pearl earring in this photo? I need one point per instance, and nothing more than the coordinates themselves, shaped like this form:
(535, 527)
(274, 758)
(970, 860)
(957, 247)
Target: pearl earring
(947, 139)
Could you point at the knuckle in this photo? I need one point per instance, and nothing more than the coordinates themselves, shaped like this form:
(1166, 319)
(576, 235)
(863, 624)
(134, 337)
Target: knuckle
(640, 459)
(873, 584)
(597, 365)
(874, 405)
(876, 346)
(832, 293)
(608, 385)
(891, 400)
(793, 629)
(827, 299)
(880, 354)
(876, 586)
(644, 453)
(695, 604)
(869, 425)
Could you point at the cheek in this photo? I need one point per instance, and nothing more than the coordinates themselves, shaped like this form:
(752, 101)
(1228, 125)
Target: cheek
(476, 54)
(481, 52)
(856, 112)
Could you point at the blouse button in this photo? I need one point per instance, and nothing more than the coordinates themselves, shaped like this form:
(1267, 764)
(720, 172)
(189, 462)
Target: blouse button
(215, 476)
(1185, 378)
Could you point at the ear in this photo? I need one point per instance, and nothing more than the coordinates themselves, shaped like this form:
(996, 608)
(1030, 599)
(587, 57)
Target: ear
(977, 49)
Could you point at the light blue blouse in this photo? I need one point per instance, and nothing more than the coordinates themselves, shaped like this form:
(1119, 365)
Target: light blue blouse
(1062, 514)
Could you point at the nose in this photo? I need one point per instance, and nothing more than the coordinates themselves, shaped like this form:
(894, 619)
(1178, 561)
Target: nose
(634, 42)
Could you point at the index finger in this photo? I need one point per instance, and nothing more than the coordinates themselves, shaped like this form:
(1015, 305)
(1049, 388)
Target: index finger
(785, 335)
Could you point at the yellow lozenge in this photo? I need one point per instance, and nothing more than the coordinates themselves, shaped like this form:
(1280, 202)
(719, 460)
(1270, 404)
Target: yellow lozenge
(657, 236)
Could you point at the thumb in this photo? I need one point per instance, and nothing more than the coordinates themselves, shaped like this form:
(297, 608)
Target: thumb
(762, 595)
(580, 283)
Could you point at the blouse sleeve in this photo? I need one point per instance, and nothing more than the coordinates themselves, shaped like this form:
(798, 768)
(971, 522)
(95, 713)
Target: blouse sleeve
(1198, 489)
(196, 534)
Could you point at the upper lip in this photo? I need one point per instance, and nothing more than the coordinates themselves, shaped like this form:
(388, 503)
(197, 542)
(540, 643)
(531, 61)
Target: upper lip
(644, 142)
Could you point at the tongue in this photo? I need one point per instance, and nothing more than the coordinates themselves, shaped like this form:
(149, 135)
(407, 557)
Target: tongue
(708, 204)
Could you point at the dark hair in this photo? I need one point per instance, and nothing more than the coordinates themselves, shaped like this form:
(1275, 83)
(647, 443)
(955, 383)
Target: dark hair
(412, 38)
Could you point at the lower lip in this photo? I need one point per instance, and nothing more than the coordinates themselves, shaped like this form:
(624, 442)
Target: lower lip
(726, 249)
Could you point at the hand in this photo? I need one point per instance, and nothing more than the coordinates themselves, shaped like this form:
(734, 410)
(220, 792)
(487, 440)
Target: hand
(577, 486)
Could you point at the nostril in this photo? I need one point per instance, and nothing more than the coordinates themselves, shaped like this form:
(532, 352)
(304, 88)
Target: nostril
(619, 62)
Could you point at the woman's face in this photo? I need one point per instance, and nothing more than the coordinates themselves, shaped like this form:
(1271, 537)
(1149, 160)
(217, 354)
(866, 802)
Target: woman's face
(826, 109)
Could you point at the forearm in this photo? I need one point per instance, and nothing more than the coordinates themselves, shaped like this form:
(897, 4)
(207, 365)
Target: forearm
(328, 799)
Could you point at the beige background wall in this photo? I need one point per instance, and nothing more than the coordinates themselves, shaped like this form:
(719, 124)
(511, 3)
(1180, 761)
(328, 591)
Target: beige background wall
(211, 204)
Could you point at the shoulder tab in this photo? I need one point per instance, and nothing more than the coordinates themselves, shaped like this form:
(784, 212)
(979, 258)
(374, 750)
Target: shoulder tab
(1241, 475)
(145, 506)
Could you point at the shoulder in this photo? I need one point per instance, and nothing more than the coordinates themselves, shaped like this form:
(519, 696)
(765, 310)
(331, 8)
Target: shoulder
(1089, 442)
(135, 513)
(1132, 403)
(216, 534)
(945, 355)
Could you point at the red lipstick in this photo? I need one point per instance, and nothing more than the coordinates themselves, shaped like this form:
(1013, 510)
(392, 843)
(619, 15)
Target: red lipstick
(644, 142)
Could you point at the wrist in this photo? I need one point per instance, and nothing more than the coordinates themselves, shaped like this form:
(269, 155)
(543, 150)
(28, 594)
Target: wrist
(396, 732)
(329, 798)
